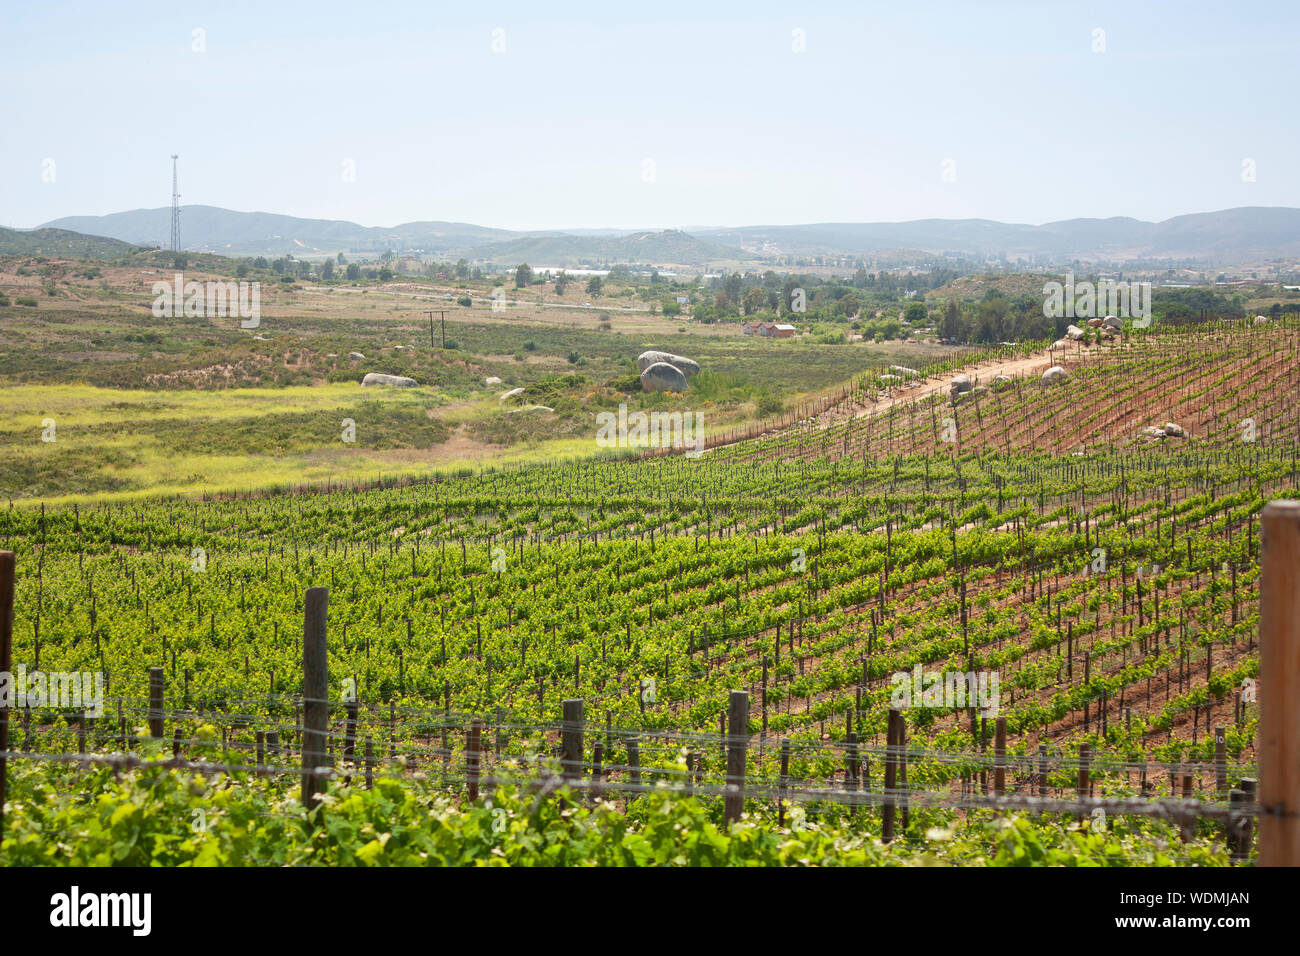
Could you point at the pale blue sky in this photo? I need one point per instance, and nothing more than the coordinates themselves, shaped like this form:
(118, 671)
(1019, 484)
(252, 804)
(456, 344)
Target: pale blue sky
(555, 131)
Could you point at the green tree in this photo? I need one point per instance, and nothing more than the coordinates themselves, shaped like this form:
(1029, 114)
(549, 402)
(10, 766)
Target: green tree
(523, 275)
(950, 326)
(914, 313)
(754, 300)
(594, 285)
(353, 272)
(561, 283)
(462, 269)
(327, 269)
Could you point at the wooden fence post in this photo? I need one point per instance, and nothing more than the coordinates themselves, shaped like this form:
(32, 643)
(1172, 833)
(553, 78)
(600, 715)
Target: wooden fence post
(7, 568)
(571, 741)
(1278, 739)
(851, 769)
(891, 776)
(473, 744)
(905, 804)
(783, 783)
(1085, 783)
(1000, 757)
(633, 765)
(738, 732)
(1221, 763)
(350, 736)
(370, 763)
(1042, 770)
(1249, 787)
(156, 702)
(315, 693)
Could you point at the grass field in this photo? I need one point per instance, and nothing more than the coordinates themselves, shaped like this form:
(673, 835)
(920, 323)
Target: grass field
(142, 405)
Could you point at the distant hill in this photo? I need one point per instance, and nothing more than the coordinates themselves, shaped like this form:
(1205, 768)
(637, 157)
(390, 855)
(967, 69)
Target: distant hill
(1227, 237)
(668, 247)
(231, 233)
(62, 243)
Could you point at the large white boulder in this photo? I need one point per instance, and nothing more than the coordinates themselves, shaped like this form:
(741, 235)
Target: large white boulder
(379, 378)
(513, 393)
(1074, 332)
(684, 365)
(958, 385)
(1055, 374)
(356, 356)
(662, 377)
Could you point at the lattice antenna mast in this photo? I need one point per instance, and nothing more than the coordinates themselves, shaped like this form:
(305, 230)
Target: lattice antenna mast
(176, 208)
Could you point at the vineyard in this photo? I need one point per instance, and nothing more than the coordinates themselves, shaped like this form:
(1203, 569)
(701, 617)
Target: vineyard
(578, 662)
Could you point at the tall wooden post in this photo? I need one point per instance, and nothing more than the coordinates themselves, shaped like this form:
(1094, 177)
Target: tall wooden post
(571, 740)
(783, 783)
(1279, 685)
(350, 736)
(738, 740)
(473, 745)
(1000, 757)
(315, 694)
(891, 776)
(156, 702)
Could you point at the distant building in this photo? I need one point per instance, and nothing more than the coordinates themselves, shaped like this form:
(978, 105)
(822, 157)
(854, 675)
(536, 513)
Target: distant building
(782, 331)
(752, 326)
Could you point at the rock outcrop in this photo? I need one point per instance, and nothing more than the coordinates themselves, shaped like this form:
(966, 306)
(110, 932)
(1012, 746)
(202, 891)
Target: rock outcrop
(379, 378)
(684, 365)
(663, 377)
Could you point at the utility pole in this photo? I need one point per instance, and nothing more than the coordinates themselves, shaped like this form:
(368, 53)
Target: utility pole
(176, 209)
(443, 315)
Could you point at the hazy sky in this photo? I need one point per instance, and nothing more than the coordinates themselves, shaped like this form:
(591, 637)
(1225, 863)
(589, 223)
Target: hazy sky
(651, 114)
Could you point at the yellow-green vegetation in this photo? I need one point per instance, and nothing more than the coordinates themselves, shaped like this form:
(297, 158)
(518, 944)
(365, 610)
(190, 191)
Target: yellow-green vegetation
(141, 405)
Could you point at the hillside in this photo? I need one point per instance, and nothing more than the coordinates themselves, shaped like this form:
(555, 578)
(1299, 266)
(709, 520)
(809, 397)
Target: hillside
(1227, 237)
(669, 247)
(61, 243)
(225, 231)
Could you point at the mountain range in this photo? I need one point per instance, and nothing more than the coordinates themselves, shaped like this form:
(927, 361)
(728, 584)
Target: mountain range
(1237, 236)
